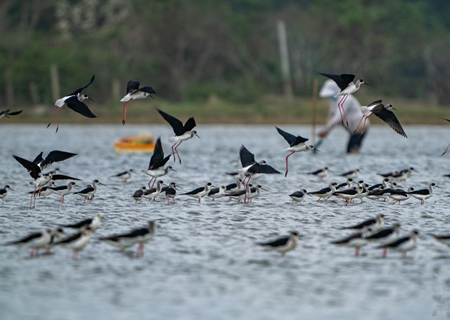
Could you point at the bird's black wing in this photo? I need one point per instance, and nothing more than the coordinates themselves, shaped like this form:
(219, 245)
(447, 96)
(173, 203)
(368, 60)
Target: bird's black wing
(63, 177)
(247, 158)
(70, 238)
(290, 138)
(176, 124)
(189, 125)
(85, 190)
(362, 224)
(39, 158)
(381, 234)
(374, 103)
(321, 191)
(421, 192)
(79, 107)
(346, 173)
(297, 194)
(32, 168)
(14, 113)
(134, 233)
(158, 155)
(27, 239)
(76, 92)
(195, 191)
(77, 225)
(120, 174)
(56, 156)
(138, 193)
(263, 168)
(236, 193)
(4, 112)
(58, 188)
(348, 239)
(395, 243)
(315, 172)
(342, 80)
(148, 90)
(133, 86)
(276, 243)
(390, 118)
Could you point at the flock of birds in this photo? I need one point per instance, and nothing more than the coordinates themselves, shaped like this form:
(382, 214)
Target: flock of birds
(242, 190)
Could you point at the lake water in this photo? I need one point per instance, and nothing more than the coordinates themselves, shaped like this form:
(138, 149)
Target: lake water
(203, 262)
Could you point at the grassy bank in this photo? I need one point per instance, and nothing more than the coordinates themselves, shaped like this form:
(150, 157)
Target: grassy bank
(269, 110)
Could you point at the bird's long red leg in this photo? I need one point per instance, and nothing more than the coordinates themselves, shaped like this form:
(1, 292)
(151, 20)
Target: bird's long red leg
(125, 112)
(173, 152)
(340, 111)
(343, 109)
(359, 123)
(246, 188)
(364, 126)
(57, 118)
(357, 252)
(177, 151)
(150, 181)
(287, 166)
(384, 252)
(446, 149)
(53, 116)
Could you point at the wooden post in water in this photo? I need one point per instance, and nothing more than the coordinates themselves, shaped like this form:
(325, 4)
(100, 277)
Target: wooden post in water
(284, 59)
(54, 75)
(314, 110)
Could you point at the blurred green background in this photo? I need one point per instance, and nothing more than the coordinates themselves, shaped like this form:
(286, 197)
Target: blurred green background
(223, 57)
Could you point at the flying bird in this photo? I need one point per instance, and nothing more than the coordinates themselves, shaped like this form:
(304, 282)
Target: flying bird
(182, 132)
(296, 144)
(135, 93)
(157, 161)
(384, 113)
(74, 101)
(7, 113)
(345, 83)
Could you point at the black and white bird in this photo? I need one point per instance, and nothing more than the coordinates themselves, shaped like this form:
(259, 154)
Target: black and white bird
(352, 174)
(384, 183)
(36, 166)
(64, 190)
(423, 194)
(217, 193)
(77, 241)
(35, 241)
(45, 191)
(374, 224)
(348, 194)
(93, 223)
(157, 162)
(355, 240)
(234, 186)
(403, 244)
(386, 235)
(283, 244)
(74, 101)
(298, 196)
(321, 173)
(345, 83)
(199, 192)
(445, 239)
(57, 234)
(88, 192)
(125, 175)
(139, 194)
(4, 192)
(399, 195)
(153, 193)
(141, 235)
(345, 185)
(239, 195)
(384, 113)
(296, 144)
(8, 113)
(171, 192)
(255, 192)
(324, 193)
(182, 132)
(135, 93)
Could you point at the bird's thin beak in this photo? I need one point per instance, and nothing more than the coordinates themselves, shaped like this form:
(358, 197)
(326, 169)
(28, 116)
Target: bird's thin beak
(264, 189)
(316, 150)
(102, 184)
(197, 136)
(90, 99)
(437, 187)
(11, 189)
(368, 84)
(394, 109)
(174, 170)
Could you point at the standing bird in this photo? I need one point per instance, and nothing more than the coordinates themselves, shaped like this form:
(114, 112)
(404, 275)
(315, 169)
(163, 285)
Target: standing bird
(350, 174)
(171, 192)
(6, 113)
(217, 193)
(45, 191)
(89, 192)
(387, 235)
(321, 173)
(404, 244)
(324, 193)
(298, 196)
(35, 241)
(4, 192)
(199, 192)
(283, 244)
(296, 144)
(93, 223)
(345, 83)
(423, 194)
(384, 113)
(355, 240)
(126, 240)
(157, 161)
(445, 239)
(135, 93)
(374, 224)
(64, 190)
(39, 163)
(182, 132)
(138, 194)
(153, 193)
(77, 241)
(75, 102)
(125, 175)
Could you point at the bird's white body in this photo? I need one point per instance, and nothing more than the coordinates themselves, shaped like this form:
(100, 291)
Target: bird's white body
(300, 148)
(423, 197)
(290, 245)
(96, 222)
(219, 194)
(202, 193)
(351, 88)
(157, 172)
(39, 243)
(61, 102)
(42, 181)
(80, 243)
(255, 194)
(134, 96)
(184, 137)
(153, 195)
(322, 174)
(409, 245)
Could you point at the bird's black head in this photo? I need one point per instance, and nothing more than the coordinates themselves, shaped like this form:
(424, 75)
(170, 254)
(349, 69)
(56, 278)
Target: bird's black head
(209, 184)
(131, 170)
(326, 168)
(294, 233)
